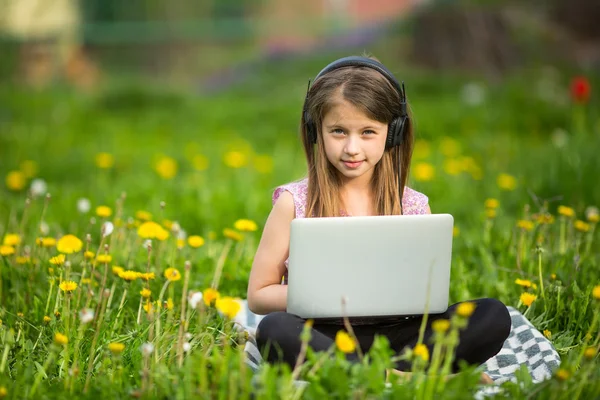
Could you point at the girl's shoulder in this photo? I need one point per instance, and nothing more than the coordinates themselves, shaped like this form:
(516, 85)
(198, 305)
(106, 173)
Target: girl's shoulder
(414, 202)
(298, 189)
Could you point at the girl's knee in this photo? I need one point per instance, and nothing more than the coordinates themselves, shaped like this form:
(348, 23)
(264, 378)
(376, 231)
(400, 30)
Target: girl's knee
(274, 326)
(497, 317)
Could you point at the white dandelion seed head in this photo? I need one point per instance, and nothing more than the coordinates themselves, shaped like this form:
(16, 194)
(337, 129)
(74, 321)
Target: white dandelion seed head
(83, 205)
(187, 347)
(591, 211)
(67, 264)
(182, 234)
(473, 94)
(148, 244)
(107, 228)
(188, 336)
(175, 227)
(44, 228)
(147, 349)
(38, 187)
(195, 299)
(86, 315)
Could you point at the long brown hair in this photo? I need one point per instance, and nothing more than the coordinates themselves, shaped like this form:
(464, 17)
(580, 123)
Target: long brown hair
(374, 95)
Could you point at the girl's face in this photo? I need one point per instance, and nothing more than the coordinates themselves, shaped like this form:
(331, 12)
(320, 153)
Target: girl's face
(354, 143)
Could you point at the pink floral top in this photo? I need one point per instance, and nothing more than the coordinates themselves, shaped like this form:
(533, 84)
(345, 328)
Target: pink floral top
(413, 202)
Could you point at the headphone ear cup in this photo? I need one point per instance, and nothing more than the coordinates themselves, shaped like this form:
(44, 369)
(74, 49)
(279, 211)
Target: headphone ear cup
(395, 132)
(310, 128)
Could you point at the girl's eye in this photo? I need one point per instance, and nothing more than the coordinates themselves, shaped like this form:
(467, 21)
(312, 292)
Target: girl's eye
(369, 132)
(337, 131)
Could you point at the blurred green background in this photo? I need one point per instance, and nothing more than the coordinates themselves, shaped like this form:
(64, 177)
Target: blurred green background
(211, 93)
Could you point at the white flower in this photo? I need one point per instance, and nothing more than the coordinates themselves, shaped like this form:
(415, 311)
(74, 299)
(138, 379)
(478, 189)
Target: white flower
(86, 315)
(38, 187)
(148, 244)
(188, 336)
(591, 211)
(107, 228)
(44, 228)
(195, 299)
(83, 205)
(187, 347)
(147, 349)
(473, 94)
(175, 228)
(559, 138)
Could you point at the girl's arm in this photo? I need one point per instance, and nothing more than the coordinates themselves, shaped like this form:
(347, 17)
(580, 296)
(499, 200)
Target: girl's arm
(265, 291)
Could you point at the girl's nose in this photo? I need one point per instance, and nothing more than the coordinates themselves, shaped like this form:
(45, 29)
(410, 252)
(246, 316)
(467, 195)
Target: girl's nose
(351, 145)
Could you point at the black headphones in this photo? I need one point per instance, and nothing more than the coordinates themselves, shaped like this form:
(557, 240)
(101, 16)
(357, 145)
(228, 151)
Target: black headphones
(396, 128)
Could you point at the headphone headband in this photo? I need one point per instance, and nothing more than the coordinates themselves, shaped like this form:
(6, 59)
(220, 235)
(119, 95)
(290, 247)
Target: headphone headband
(356, 61)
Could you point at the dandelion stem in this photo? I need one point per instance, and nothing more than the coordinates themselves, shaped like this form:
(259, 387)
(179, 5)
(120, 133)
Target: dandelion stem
(562, 249)
(49, 296)
(221, 264)
(139, 314)
(186, 279)
(112, 292)
(93, 346)
(541, 276)
(157, 320)
(120, 308)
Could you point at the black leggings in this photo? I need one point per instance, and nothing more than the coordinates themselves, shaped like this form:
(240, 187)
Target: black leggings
(278, 335)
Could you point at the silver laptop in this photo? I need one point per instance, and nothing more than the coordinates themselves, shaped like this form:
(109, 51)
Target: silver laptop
(382, 266)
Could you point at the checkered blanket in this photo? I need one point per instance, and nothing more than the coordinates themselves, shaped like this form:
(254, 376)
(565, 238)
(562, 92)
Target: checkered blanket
(525, 345)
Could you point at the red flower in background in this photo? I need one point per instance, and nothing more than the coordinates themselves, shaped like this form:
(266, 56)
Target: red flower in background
(580, 89)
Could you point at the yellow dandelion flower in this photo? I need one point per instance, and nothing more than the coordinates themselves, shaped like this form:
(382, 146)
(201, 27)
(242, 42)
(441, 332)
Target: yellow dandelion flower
(129, 275)
(490, 213)
(344, 342)
(524, 224)
(196, 241)
(16, 181)
(47, 319)
(103, 211)
(455, 231)
(562, 374)
(146, 276)
(117, 270)
(11, 239)
(424, 171)
(3, 392)
(465, 309)
(20, 315)
(166, 167)
(148, 307)
(60, 339)
(590, 353)
(491, 203)
(162, 235)
(527, 298)
(58, 260)
(523, 282)
(209, 295)
(596, 292)
(143, 215)
(506, 182)
(553, 276)
(51, 271)
(46, 242)
(547, 333)
(29, 168)
(566, 211)
(180, 243)
(228, 306)
(231, 234)
(145, 293)
(245, 225)
(69, 244)
(593, 217)
(21, 260)
(581, 226)
(453, 166)
(421, 351)
(68, 286)
(440, 325)
(104, 160)
(104, 258)
(263, 164)
(200, 162)
(150, 230)
(86, 281)
(116, 348)
(235, 159)
(450, 147)
(169, 304)
(89, 255)
(544, 218)
(7, 250)
(422, 149)
(172, 274)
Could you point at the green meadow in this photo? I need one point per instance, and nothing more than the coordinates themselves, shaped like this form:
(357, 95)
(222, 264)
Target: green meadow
(183, 180)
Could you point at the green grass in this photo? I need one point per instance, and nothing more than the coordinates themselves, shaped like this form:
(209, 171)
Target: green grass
(138, 124)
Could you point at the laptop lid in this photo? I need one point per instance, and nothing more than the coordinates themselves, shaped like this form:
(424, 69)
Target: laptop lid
(381, 265)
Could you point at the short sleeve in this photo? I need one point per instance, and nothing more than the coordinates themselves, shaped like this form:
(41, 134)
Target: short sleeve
(298, 191)
(414, 203)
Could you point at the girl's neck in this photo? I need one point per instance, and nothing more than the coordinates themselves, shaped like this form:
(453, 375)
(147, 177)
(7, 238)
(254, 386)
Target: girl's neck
(356, 197)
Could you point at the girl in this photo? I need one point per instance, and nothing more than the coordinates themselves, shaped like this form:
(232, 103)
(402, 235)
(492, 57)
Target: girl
(358, 142)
